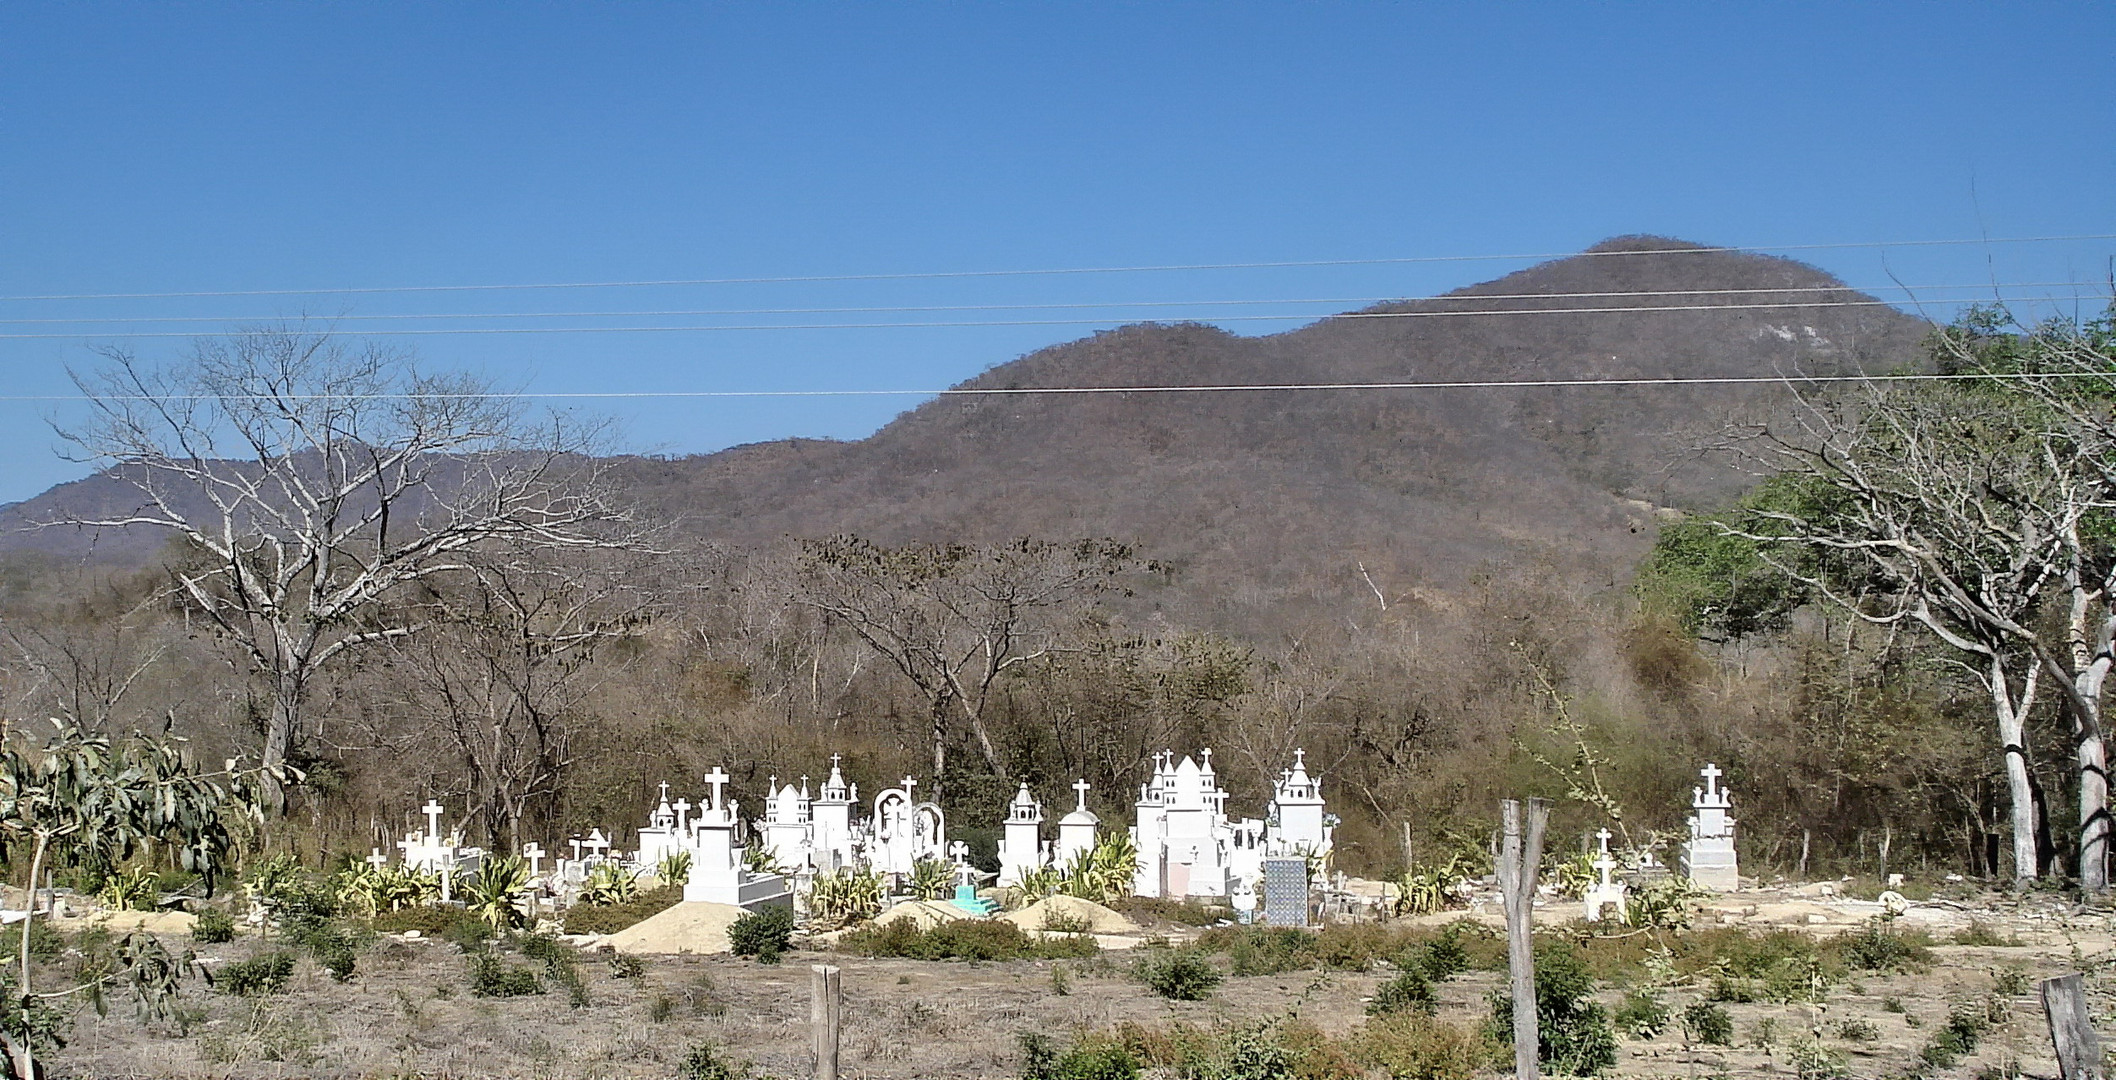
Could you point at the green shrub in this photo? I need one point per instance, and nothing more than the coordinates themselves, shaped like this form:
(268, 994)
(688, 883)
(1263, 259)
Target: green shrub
(2011, 982)
(1982, 933)
(1185, 912)
(1574, 1036)
(1859, 1031)
(1409, 991)
(45, 943)
(491, 976)
(963, 939)
(1177, 974)
(213, 926)
(468, 934)
(1413, 1046)
(429, 920)
(703, 1062)
(336, 949)
(1087, 1059)
(1813, 1061)
(1878, 946)
(586, 918)
(1642, 1015)
(762, 934)
(1708, 1024)
(626, 966)
(1262, 950)
(258, 976)
(1444, 957)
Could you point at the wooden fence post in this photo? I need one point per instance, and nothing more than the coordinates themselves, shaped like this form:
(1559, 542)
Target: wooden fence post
(823, 1015)
(2072, 1028)
(1520, 858)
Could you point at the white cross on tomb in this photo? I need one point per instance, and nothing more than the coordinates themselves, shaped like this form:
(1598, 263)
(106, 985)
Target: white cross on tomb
(1080, 787)
(1711, 774)
(433, 811)
(718, 778)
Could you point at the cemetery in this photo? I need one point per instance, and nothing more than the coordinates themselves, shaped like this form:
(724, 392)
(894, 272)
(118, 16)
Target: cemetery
(691, 942)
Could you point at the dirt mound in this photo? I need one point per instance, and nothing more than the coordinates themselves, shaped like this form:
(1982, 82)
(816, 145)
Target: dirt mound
(924, 914)
(1071, 912)
(689, 927)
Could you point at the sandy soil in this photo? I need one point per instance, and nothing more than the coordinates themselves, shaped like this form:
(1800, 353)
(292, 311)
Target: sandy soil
(407, 1012)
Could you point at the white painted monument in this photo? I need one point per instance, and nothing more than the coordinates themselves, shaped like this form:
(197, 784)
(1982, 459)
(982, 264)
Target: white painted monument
(1709, 856)
(1606, 893)
(1021, 847)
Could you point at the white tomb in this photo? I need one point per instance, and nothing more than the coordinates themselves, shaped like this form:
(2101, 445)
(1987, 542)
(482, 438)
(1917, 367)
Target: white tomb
(832, 836)
(664, 833)
(1709, 858)
(1607, 892)
(1021, 848)
(434, 853)
(786, 833)
(1076, 830)
(1188, 847)
(718, 875)
(905, 831)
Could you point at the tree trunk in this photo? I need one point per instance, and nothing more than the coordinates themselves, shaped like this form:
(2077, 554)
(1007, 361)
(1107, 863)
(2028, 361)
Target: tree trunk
(278, 743)
(2013, 740)
(2092, 757)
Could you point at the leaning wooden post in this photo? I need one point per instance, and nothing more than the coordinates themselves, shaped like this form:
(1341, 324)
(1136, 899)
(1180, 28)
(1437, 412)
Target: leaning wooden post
(1519, 860)
(823, 1015)
(2072, 1028)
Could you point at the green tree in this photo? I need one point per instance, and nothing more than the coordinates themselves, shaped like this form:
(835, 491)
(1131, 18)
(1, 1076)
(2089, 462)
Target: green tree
(83, 799)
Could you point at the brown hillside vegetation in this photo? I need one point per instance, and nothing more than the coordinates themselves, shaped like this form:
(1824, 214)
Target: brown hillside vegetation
(1269, 502)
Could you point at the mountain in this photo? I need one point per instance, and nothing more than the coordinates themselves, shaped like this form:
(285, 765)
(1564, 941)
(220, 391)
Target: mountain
(1271, 503)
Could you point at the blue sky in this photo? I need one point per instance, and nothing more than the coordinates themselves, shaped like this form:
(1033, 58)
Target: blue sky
(201, 147)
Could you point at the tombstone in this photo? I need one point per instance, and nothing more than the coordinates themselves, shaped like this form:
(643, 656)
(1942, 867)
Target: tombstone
(1606, 893)
(966, 897)
(905, 830)
(662, 835)
(1298, 821)
(785, 834)
(1021, 848)
(718, 875)
(1285, 891)
(1709, 858)
(1077, 830)
(1183, 835)
(833, 837)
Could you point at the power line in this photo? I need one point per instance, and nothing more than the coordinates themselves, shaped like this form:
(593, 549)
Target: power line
(1345, 316)
(978, 391)
(944, 274)
(1082, 305)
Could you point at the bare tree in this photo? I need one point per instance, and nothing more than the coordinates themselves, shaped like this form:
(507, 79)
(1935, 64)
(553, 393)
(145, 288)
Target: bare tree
(953, 618)
(1935, 506)
(501, 673)
(313, 478)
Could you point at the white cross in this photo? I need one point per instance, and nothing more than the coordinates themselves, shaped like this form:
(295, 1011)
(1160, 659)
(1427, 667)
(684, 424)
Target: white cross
(1207, 755)
(1602, 835)
(534, 852)
(909, 784)
(718, 778)
(664, 792)
(683, 810)
(960, 852)
(597, 844)
(377, 859)
(576, 842)
(433, 811)
(1300, 758)
(1080, 786)
(1711, 774)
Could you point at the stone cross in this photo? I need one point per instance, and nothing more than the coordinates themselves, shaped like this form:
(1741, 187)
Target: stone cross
(664, 792)
(718, 778)
(1080, 787)
(1711, 773)
(433, 811)
(1207, 755)
(377, 859)
(576, 842)
(960, 852)
(534, 852)
(596, 842)
(1602, 835)
(909, 786)
(683, 812)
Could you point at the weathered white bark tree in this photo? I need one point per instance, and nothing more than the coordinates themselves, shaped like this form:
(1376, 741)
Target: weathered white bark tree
(311, 479)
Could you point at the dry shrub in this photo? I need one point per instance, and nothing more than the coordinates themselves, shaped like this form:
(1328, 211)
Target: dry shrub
(1413, 1046)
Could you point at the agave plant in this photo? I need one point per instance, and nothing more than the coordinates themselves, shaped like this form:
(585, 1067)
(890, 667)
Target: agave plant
(1422, 892)
(136, 889)
(404, 886)
(494, 892)
(272, 880)
(1042, 882)
(358, 889)
(674, 868)
(931, 879)
(844, 897)
(609, 883)
(1104, 872)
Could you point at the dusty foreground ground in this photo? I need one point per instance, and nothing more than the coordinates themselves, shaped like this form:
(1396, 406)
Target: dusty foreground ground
(408, 1012)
